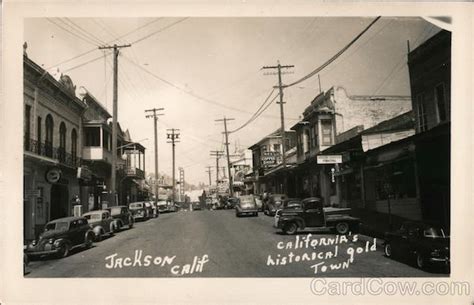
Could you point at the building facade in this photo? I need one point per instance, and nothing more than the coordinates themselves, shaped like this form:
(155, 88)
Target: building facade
(52, 147)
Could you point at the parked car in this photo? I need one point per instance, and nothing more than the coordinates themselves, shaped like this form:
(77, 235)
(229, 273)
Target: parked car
(423, 243)
(292, 203)
(246, 205)
(139, 210)
(171, 207)
(60, 236)
(196, 206)
(273, 203)
(102, 223)
(231, 202)
(312, 214)
(162, 206)
(123, 215)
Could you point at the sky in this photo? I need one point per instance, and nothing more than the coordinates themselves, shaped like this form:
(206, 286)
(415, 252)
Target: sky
(202, 69)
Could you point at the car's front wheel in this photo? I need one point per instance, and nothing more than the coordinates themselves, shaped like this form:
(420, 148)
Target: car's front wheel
(420, 261)
(387, 249)
(64, 250)
(342, 228)
(290, 228)
(89, 240)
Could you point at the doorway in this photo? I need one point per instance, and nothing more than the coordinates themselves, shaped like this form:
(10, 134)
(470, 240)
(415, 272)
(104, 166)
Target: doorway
(59, 201)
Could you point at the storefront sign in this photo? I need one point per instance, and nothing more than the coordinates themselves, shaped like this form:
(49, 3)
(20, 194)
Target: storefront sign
(53, 175)
(329, 159)
(84, 173)
(270, 158)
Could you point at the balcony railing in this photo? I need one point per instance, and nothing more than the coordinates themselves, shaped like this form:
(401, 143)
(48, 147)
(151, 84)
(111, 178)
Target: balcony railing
(47, 150)
(135, 172)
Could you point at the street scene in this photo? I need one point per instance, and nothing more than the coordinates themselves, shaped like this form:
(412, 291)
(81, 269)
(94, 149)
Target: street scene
(237, 147)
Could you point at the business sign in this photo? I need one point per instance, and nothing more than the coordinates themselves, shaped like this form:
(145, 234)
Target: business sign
(270, 159)
(329, 159)
(53, 175)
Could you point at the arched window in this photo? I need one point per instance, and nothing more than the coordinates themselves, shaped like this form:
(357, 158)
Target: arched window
(74, 146)
(62, 142)
(48, 143)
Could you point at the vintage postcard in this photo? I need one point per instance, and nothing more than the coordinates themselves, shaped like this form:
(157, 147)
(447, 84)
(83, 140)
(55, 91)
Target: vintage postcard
(288, 152)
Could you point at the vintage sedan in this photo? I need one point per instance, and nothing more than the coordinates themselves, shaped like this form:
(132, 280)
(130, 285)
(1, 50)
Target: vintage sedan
(423, 243)
(246, 205)
(273, 203)
(122, 214)
(60, 236)
(102, 223)
(139, 210)
(162, 206)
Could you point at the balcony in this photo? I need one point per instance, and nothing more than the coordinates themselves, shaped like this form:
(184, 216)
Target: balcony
(47, 150)
(134, 172)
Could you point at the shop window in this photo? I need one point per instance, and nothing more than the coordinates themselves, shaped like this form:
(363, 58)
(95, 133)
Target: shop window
(396, 180)
(92, 136)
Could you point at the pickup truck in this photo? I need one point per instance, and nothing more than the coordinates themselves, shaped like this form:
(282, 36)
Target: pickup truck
(312, 214)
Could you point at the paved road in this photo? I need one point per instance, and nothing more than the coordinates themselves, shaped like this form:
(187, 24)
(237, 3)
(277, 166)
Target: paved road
(218, 244)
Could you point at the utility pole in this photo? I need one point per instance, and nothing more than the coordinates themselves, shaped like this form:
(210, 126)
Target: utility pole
(209, 172)
(155, 120)
(217, 154)
(113, 176)
(225, 120)
(172, 136)
(282, 114)
(181, 184)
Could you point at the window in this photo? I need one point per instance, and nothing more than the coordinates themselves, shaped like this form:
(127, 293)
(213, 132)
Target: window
(420, 112)
(38, 133)
(74, 145)
(105, 139)
(92, 136)
(276, 147)
(441, 102)
(307, 140)
(27, 126)
(62, 142)
(314, 135)
(326, 128)
(49, 136)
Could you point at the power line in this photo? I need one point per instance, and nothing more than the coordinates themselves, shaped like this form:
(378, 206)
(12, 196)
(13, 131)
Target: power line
(159, 31)
(94, 49)
(72, 33)
(257, 113)
(317, 70)
(85, 32)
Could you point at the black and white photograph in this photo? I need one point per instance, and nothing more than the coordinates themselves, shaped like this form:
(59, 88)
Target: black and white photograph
(260, 147)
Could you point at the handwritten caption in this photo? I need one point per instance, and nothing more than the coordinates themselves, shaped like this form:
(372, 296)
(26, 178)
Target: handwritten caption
(327, 253)
(115, 261)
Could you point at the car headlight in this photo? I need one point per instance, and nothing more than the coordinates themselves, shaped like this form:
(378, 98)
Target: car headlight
(33, 243)
(51, 240)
